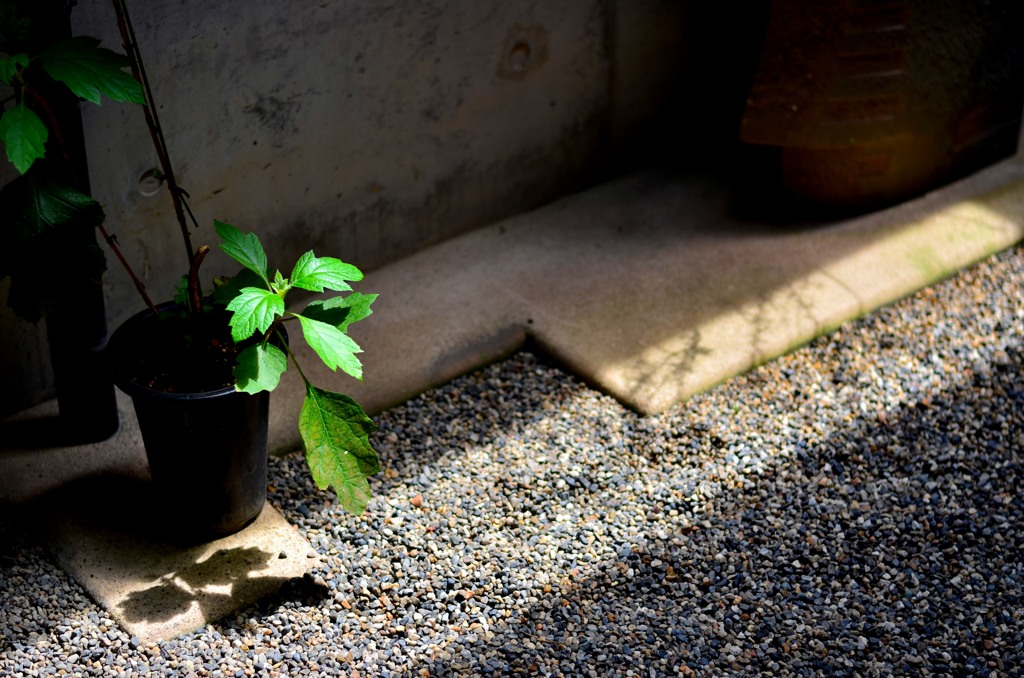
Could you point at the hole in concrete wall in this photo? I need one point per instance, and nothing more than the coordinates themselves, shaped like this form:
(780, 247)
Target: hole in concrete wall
(525, 50)
(519, 56)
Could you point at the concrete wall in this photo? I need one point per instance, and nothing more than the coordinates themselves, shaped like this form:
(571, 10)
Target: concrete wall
(364, 129)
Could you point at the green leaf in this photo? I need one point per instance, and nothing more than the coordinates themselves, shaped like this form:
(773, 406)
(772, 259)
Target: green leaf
(253, 309)
(226, 290)
(333, 346)
(259, 368)
(25, 136)
(181, 291)
(341, 311)
(49, 245)
(245, 248)
(317, 273)
(335, 432)
(34, 204)
(9, 67)
(91, 71)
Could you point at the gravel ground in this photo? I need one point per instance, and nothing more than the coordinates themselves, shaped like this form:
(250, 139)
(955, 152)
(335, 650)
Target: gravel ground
(853, 508)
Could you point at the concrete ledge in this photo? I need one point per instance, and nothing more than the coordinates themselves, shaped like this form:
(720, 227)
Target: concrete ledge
(652, 289)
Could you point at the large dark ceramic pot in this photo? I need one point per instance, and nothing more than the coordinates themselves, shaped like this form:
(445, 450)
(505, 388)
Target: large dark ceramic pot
(206, 443)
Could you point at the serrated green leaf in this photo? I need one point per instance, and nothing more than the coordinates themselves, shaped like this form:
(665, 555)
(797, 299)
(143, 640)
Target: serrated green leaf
(34, 204)
(226, 290)
(245, 248)
(335, 432)
(91, 71)
(47, 227)
(327, 311)
(181, 291)
(341, 311)
(24, 135)
(9, 67)
(333, 346)
(259, 368)
(254, 309)
(315, 273)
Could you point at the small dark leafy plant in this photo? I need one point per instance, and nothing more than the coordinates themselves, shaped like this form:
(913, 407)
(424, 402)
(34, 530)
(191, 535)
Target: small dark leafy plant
(40, 211)
(46, 217)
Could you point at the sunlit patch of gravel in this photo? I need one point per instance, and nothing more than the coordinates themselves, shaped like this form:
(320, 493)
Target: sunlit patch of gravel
(853, 508)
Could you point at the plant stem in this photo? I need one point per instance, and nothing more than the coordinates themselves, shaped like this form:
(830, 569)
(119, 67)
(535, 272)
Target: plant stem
(112, 243)
(152, 121)
(295, 360)
(195, 297)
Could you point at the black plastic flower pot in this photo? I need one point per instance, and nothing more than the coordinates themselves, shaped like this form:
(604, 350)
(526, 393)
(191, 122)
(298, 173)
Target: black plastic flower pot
(207, 447)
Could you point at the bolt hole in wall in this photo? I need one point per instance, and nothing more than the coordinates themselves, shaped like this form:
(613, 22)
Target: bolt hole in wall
(526, 49)
(519, 56)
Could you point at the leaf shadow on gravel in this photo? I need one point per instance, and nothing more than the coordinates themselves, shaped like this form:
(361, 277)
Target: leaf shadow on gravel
(109, 527)
(892, 546)
(174, 593)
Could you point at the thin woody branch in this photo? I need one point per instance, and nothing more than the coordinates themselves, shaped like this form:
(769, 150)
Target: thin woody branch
(112, 243)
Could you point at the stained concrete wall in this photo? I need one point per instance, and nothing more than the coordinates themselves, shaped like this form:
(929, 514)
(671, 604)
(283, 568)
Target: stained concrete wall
(364, 129)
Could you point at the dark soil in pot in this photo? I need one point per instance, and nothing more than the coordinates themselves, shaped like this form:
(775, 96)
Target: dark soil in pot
(206, 443)
(181, 354)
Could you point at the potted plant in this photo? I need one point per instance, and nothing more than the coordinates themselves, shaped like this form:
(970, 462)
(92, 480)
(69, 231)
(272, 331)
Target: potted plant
(200, 375)
(199, 368)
